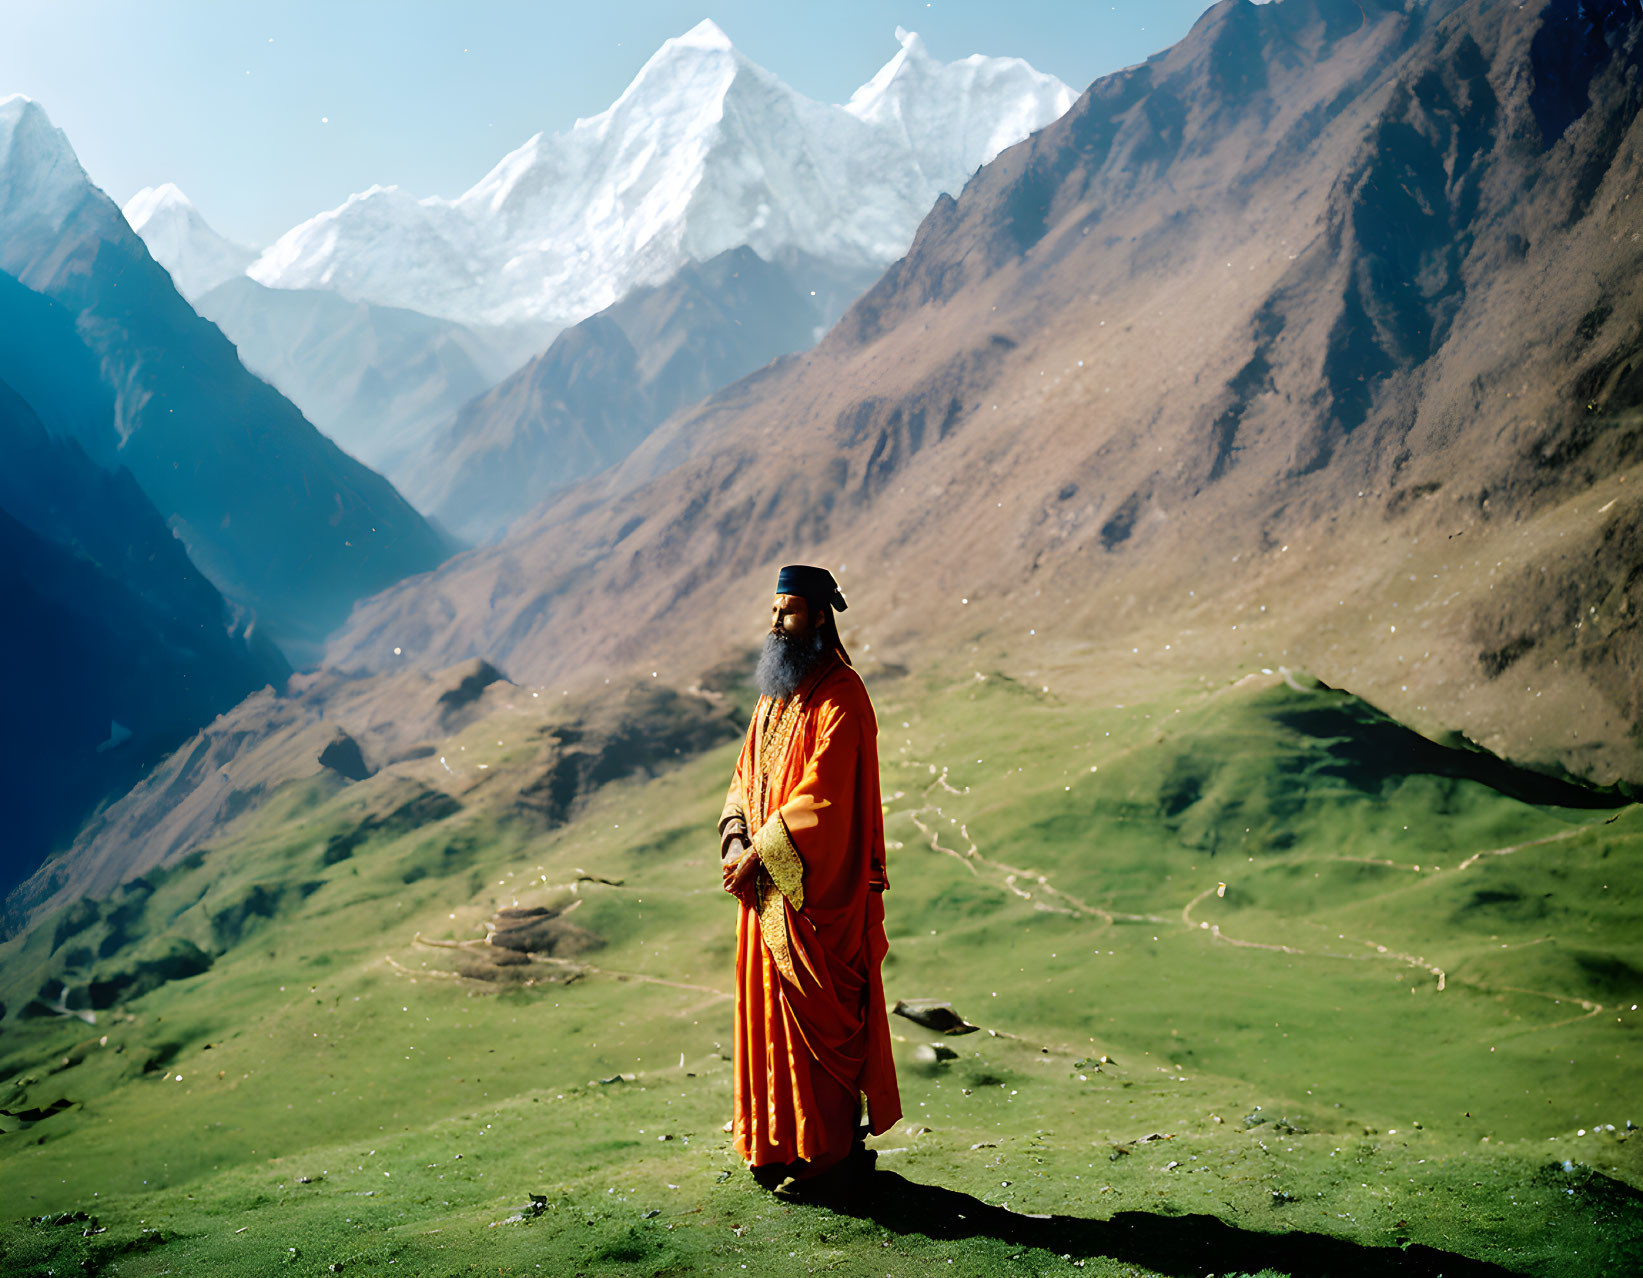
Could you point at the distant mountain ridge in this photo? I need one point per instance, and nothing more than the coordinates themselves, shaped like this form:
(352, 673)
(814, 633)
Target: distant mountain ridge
(383, 318)
(276, 515)
(179, 239)
(703, 152)
(606, 383)
(377, 380)
(1299, 339)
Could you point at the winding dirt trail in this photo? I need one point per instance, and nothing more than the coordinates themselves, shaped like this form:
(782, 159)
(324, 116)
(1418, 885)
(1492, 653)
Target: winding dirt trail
(1009, 879)
(1011, 876)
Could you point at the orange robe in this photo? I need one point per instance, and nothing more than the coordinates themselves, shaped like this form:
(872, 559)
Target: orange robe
(811, 1032)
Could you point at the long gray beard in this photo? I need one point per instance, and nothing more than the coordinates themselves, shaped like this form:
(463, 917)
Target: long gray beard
(784, 663)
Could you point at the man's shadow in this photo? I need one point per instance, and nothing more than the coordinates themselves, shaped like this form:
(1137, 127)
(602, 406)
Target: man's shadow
(1185, 1245)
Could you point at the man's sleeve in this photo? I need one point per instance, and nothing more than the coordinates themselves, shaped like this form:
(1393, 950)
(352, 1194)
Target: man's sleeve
(805, 843)
(732, 818)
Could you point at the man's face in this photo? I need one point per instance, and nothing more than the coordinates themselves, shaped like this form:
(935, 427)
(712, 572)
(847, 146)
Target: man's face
(791, 616)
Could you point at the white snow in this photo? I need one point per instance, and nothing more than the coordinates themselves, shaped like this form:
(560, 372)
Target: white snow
(704, 151)
(957, 116)
(179, 239)
(41, 181)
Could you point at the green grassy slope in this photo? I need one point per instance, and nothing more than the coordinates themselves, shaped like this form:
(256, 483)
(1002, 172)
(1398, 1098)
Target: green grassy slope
(1407, 1022)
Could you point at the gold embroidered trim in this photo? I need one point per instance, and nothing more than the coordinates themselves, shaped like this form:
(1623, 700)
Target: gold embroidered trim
(781, 859)
(770, 749)
(772, 913)
(773, 752)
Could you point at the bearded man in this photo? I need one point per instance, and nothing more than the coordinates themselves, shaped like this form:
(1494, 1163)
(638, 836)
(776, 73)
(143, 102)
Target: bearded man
(802, 850)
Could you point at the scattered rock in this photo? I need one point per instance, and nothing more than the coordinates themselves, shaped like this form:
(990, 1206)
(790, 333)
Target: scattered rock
(932, 1013)
(540, 930)
(344, 757)
(933, 1053)
(35, 1115)
(65, 1218)
(469, 680)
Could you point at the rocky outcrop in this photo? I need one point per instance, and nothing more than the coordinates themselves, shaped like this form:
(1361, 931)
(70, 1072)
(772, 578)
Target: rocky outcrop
(343, 756)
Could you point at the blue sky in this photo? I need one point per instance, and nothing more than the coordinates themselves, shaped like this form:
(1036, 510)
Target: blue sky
(226, 98)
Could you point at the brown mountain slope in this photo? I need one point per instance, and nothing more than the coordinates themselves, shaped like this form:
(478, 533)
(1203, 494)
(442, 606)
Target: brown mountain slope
(396, 731)
(1315, 339)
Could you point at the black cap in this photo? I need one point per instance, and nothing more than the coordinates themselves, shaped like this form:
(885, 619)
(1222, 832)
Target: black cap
(813, 584)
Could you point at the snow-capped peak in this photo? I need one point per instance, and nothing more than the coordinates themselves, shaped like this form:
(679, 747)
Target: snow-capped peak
(703, 151)
(28, 138)
(912, 57)
(41, 181)
(180, 240)
(957, 116)
(156, 201)
(706, 34)
(692, 70)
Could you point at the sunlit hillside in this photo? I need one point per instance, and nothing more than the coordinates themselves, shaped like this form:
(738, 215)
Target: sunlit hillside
(1244, 955)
